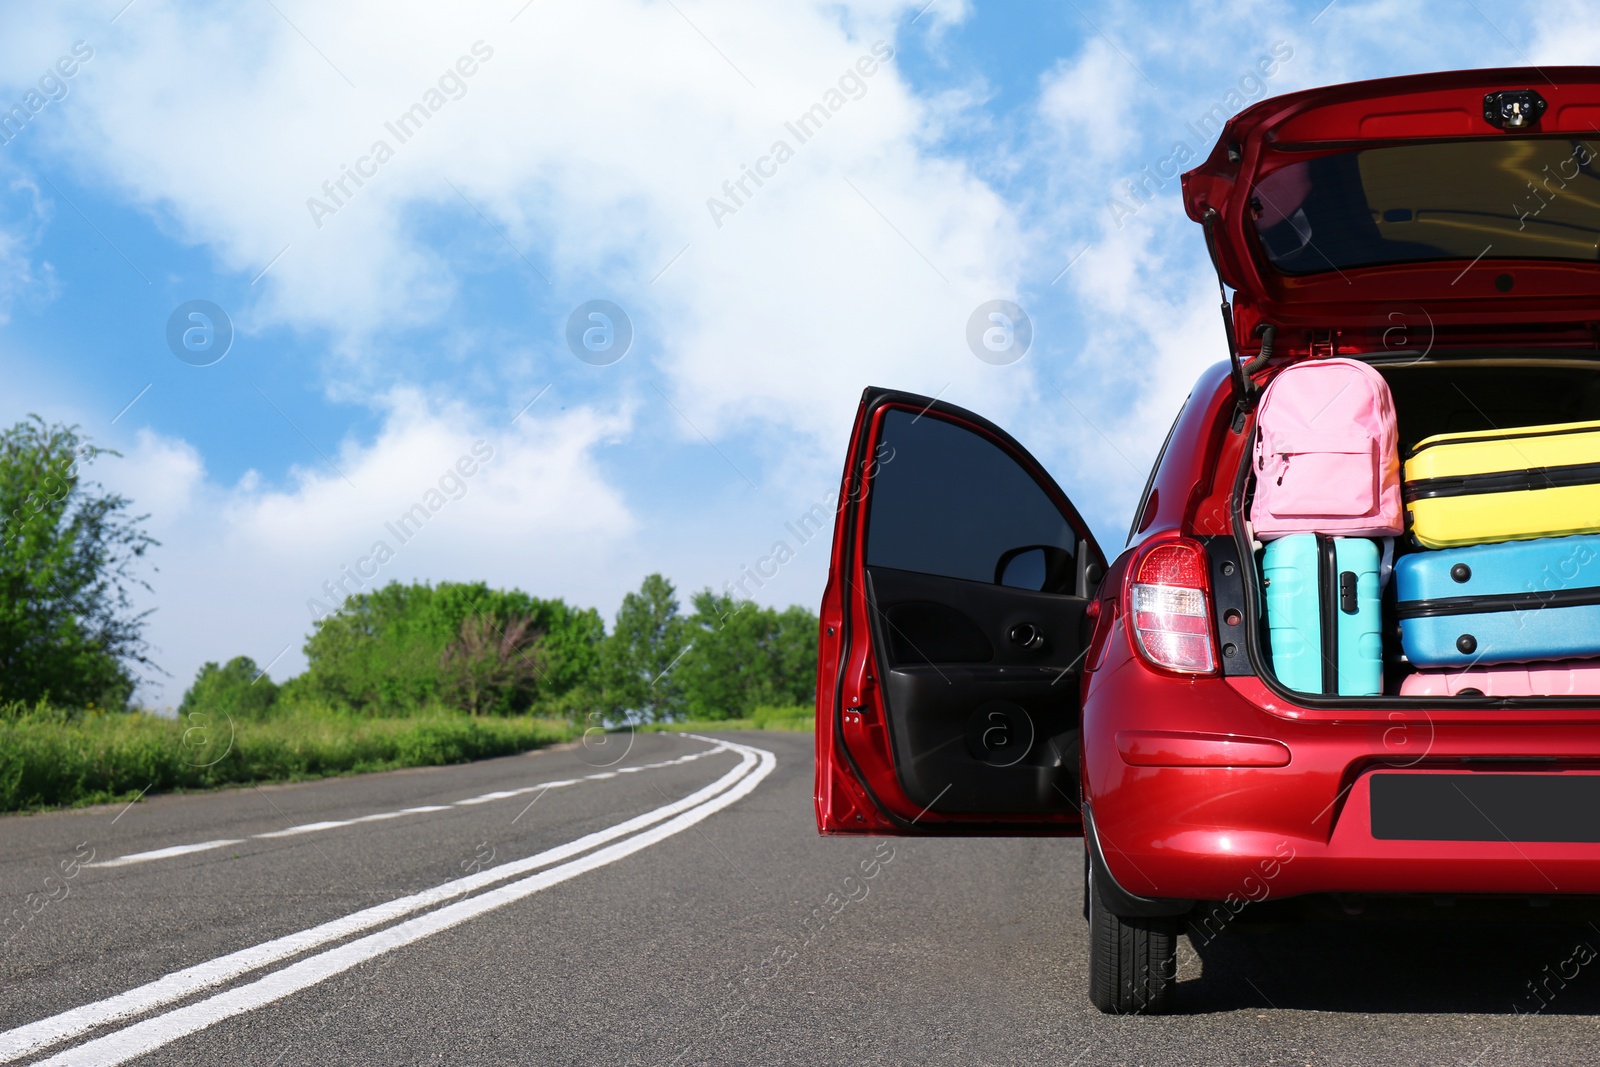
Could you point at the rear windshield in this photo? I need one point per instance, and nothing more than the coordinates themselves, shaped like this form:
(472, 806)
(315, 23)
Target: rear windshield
(1518, 198)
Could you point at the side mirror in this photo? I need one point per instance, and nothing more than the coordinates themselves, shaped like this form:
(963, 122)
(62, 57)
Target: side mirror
(1043, 568)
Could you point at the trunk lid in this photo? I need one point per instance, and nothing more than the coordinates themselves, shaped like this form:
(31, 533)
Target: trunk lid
(1462, 206)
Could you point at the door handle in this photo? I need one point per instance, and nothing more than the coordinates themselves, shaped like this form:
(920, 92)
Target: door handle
(1026, 635)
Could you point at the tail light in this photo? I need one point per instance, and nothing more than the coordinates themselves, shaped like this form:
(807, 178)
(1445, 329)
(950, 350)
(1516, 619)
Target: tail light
(1169, 607)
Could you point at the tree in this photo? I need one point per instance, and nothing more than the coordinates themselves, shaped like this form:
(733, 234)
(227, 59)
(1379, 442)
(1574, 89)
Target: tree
(490, 667)
(384, 652)
(69, 560)
(746, 656)
(238, 690)
(637, 661)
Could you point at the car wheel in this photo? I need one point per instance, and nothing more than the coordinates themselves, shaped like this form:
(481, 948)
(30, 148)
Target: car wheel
(1133, 962)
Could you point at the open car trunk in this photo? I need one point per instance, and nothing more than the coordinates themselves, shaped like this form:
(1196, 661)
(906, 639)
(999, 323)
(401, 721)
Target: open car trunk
(1437, 393)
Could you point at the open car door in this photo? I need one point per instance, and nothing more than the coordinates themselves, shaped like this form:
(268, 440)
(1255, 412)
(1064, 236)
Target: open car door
(954, 628)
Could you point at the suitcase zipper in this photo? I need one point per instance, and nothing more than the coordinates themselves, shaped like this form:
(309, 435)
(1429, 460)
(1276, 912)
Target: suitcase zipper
(1503, 481)
(1492, 602)
(1328, 612)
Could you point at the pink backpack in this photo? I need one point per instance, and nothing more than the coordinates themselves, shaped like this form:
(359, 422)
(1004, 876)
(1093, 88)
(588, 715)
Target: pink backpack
(1326, 457)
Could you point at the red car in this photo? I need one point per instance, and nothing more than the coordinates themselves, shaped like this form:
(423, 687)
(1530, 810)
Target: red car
(985, 670)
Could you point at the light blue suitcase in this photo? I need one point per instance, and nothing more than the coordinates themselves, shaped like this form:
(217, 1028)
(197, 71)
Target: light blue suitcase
(1323, 596)
(1513, 602)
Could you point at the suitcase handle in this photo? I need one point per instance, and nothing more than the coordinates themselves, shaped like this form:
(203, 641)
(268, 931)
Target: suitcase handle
(1347, 592)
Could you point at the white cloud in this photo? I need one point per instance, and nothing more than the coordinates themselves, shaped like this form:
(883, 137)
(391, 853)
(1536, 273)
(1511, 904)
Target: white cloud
(160, 475)
(1076, 103)
(1564, 33)
(20, 276)
(593, 136)
(239, 564)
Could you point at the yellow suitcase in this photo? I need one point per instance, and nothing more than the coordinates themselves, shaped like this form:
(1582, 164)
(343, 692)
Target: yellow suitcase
(1504, 485)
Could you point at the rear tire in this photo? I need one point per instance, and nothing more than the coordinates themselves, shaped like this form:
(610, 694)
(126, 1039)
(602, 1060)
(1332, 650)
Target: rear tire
(1133, 962)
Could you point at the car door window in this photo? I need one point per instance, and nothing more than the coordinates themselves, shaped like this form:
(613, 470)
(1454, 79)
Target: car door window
(950, 502)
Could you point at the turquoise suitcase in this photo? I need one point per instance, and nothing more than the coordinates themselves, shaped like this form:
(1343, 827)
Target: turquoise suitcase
(1324, 614)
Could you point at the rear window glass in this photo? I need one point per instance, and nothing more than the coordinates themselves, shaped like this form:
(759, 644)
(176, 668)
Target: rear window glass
(1518, 198)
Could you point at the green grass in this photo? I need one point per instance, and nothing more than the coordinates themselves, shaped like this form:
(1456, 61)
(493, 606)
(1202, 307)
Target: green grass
(55, 758)
(800, 718)
(50, 758)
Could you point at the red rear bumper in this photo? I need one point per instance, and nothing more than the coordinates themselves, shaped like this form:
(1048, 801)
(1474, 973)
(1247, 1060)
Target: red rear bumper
(1214, 832)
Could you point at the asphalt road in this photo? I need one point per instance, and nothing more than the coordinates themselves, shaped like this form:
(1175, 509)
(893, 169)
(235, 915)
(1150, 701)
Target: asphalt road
(688, 914)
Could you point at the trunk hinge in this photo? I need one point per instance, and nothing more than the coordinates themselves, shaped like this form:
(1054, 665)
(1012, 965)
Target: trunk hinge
(1322, 344)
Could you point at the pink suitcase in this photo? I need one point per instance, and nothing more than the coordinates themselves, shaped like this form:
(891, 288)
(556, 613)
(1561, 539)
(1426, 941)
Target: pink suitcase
(1327, 456)
(1563, 678)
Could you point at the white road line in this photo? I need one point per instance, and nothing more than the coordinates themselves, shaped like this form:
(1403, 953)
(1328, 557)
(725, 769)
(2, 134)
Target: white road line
(332, 824)
(143, 1037)
(501, 795)
(75, 1022)
(306, 828)
(163, 853)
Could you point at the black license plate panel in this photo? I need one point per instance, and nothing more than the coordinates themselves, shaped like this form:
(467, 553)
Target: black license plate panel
(1486, 807)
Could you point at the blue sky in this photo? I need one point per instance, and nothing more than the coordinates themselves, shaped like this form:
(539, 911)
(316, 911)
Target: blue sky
(376, 343)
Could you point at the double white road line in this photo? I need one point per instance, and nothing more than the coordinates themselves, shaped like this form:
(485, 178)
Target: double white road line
(334, 824)
(139, 1038)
